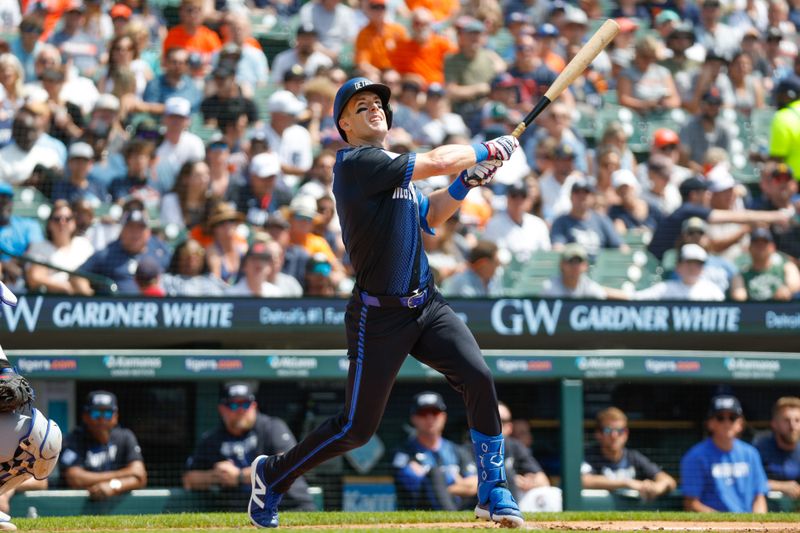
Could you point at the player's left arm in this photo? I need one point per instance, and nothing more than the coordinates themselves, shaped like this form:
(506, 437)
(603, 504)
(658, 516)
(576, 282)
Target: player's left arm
(441, 206)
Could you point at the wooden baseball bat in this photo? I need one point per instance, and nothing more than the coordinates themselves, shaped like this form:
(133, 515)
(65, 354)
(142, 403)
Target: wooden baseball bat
(604, 35)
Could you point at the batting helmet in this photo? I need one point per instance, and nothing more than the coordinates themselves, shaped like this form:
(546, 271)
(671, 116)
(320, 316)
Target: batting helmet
(354, 86)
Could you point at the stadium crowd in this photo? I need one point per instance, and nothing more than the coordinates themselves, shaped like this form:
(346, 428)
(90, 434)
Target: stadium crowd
(175, 159)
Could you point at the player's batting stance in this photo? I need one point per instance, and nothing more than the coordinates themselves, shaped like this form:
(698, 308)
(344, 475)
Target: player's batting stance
(395, 309)
(29, 442)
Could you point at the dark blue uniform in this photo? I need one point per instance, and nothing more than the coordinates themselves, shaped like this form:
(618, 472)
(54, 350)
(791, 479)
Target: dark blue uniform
(394, 311)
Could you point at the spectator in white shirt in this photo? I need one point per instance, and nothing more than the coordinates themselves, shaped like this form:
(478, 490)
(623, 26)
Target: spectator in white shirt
(179, 145)
(23, 154)
(305, 53)
(572, 280)
(517, 230)
(256, 267)
(690, 285)
(287, 138)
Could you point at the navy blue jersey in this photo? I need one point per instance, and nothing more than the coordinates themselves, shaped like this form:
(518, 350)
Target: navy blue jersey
(381, 214)
(80, 449)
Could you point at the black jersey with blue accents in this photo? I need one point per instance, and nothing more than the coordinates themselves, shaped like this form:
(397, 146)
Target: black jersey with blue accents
(381, 214)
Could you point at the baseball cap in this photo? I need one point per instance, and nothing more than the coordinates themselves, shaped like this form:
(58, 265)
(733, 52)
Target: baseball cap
(469, 25)
(306, 29)
(574, 250)
(147, 270)
(436, 89)
(761, 233)
(789, 85)
(692, 184)
(694, 224)
(720, 179)
(782, 170)
(265, 164)
(428, 400)
(239, 389)
(107, 101)
(121, 11)
(626, 25)
(304, 206)
(667, 15)
(295, 72)
(576, 15)
(75, 6)
(693, 252)
(582, 184)
(277, 220)
(135, 216)
(6, 189)
(564, 151)
(7, 297)
(682, 29)
(81, 150)
(518, 190)
(502, 80)
(259, 250)
(547, 30)
(518, 17)
(101, 399)
(285, 102)
(711, 3)
(712, 96)
(774, 34)
(622, 177)
(177, 105)
(223, 71)
(724, 402)
(665, 136)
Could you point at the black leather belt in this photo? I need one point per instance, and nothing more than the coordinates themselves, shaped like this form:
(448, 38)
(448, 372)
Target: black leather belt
(415, 299)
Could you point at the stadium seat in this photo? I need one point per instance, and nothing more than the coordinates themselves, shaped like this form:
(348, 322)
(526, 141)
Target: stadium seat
(527, 279)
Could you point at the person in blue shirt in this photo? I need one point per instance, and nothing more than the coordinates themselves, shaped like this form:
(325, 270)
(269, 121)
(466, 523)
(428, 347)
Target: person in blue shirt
(119, 259)
(16, 235)
(780, 449)
(430, 471)
(79, 184)
(175, 81)
(27, 45)
(723, 473)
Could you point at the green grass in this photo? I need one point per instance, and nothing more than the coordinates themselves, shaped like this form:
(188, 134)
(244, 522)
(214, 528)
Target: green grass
(338, 521)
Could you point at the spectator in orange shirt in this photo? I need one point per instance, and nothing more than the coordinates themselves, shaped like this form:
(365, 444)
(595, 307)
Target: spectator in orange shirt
(424, 51)
(376, 39)
(441, 10)
(191, 34)
(303, 211)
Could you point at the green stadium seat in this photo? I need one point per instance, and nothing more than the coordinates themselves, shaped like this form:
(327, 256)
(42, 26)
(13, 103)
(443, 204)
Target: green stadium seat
(527, 279)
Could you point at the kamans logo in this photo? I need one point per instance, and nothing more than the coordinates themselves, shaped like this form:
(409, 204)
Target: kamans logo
(589, 364)
(120, 365)
(752, 368)
(32, 366)
(207, 364)
(277, 362)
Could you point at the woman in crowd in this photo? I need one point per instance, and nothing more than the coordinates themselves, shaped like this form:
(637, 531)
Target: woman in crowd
(646, 86)
(188, 275)
(227, 249)
(186, 205)
(61, 248)
(747, 89)
(123, 54)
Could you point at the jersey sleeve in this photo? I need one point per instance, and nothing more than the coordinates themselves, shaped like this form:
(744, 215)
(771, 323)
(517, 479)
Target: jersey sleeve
(71, 453)
(645, 468)
(376, 170)
(206, 454)
(692, 474)
(279, 437)
(133, 452)
(424, 208)
(759, 474)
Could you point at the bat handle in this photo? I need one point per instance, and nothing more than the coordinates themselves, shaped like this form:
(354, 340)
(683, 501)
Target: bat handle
(519, 130)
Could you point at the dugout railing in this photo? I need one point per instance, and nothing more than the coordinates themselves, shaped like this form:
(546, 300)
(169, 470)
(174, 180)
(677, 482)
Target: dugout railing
(557, 392)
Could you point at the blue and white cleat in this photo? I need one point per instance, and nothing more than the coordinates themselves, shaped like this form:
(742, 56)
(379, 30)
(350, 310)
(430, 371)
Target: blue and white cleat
(501, 508)
(263, 506)
(5, 523)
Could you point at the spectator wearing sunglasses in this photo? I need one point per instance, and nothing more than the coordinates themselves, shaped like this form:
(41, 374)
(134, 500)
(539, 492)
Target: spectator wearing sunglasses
(100, 456)
(610, 465)
(223, 456)
(723, 473)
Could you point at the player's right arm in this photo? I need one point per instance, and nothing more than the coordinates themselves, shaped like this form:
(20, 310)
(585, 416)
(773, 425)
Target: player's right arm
(453, 158)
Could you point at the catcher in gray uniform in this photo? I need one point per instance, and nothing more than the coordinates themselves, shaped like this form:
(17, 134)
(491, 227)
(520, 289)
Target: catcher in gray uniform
(29, 442)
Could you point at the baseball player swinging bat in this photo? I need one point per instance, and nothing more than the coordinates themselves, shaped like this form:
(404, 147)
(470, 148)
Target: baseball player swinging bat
(604, 35)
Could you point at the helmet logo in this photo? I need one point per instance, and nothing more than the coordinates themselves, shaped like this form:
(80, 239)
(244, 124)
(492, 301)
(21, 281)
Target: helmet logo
(359, 84)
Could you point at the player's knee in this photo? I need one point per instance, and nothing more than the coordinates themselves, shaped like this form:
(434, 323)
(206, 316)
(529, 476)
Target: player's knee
(360, 434)
(479, 376)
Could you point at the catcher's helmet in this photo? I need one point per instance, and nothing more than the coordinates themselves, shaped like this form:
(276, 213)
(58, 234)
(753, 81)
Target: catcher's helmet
(354, 86)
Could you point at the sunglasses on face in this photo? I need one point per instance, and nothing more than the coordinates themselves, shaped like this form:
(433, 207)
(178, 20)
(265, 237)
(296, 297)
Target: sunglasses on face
(235, 406)
(377, 7)
(614, 431)
(98, 414)
(726, 418)
(574, 260)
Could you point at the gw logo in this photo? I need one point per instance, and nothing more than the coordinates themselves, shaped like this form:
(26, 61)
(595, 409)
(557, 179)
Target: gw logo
(359, 84)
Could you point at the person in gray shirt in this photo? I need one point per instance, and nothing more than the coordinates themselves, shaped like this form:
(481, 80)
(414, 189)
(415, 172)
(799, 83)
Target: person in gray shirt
(573, 280)
(479, 280)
